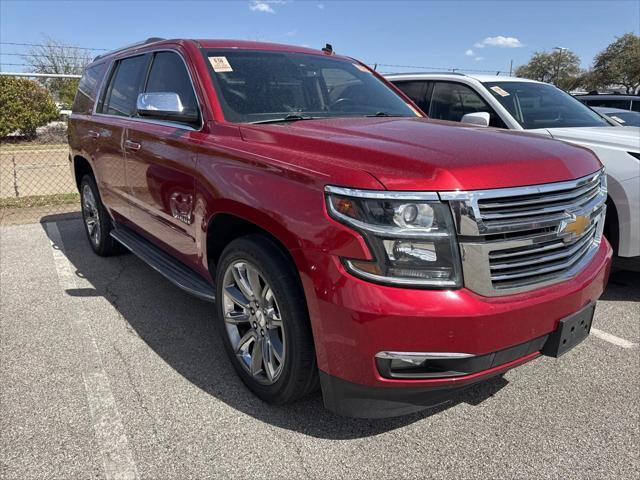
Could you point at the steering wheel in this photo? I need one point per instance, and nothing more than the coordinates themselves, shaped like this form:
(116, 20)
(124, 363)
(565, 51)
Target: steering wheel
(343, 102)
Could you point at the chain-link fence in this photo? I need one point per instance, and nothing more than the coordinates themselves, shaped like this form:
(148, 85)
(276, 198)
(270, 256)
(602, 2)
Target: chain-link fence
(35, 179)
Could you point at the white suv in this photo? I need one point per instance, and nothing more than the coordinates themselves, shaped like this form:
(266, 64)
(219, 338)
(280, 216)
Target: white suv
(521, 104)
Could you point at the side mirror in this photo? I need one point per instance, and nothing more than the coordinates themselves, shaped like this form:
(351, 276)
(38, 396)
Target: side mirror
(164, 106)
(477, 118)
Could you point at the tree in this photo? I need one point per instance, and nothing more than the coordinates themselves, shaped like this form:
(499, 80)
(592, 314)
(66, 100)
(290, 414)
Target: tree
(54, 57)
(560, 67)
(24, 106)
(619, 64)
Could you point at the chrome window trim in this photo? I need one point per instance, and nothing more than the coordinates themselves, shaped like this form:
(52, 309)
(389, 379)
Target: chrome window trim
(107, 78)
(178, 125)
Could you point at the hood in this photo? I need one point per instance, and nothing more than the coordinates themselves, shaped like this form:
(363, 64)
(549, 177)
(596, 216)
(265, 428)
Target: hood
(622, 138)
(421, 154)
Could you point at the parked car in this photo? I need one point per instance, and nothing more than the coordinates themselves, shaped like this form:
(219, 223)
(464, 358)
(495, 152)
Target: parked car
(526, 105)
(614, 100)
(347, 241)
(625, 118)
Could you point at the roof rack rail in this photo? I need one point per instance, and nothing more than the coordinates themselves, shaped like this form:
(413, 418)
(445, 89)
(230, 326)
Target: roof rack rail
(430, 73)
(132, 45)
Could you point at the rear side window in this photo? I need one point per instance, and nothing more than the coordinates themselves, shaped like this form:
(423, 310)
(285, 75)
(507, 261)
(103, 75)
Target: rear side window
(416, 91)
(169, 74)
(88, 89)
(635, 105)
(125, 85)
(610, 103)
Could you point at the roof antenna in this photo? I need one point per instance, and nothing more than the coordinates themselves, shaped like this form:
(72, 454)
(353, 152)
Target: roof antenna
(328, 49)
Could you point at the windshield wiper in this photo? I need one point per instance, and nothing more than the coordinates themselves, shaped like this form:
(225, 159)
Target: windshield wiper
(289, 118)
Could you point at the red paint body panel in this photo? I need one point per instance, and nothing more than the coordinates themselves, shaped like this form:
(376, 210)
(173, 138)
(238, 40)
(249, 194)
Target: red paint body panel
(274, 177)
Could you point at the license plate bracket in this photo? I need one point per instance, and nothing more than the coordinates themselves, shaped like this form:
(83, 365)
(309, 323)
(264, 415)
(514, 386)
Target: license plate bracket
(570, 332)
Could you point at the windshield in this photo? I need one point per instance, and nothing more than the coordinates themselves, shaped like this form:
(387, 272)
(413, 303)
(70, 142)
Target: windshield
(261, 86)
(626, 118)
(538, 105)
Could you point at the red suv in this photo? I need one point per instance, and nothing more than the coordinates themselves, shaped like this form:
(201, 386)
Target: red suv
(348, 242)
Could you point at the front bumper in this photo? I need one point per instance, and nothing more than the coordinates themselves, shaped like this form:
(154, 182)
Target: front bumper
(353, 320)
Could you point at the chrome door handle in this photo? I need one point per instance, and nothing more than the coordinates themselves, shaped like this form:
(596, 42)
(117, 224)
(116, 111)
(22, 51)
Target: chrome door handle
(93, 134)
(131, 145)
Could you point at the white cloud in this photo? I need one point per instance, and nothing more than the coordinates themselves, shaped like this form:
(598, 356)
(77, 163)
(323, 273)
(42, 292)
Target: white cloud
(261, 7)
(499, 41)
(469, 53)
(291, 33)
(264, 6)
(321, 6)
(479, 59)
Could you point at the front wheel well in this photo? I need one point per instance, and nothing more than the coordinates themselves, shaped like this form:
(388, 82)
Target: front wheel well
(223, 228)
(611, 225)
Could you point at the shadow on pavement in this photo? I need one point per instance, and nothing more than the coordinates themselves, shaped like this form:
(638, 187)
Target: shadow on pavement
(624, 285)
(179, 329)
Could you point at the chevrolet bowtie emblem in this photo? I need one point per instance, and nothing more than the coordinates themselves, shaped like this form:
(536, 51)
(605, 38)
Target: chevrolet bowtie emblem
(574, 227)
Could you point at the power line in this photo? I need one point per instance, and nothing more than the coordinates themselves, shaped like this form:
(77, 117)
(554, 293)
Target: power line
(422, 67)
(43, 55)
(52, 45)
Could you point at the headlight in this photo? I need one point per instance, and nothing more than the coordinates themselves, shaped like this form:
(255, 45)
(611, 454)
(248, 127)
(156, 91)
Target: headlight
(411, 236)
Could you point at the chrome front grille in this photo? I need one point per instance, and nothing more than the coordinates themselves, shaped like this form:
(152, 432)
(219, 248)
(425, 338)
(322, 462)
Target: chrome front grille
(517, 239)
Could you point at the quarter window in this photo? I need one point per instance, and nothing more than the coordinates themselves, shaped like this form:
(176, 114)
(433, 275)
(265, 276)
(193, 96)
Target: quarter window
(126, 83)
(88, 88)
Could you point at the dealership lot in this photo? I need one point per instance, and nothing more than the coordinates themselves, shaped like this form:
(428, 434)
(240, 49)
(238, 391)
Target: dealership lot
(109, 370)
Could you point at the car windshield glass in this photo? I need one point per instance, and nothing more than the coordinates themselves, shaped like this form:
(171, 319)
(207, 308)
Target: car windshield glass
(264, 86)
(539, 105)
(629, 118)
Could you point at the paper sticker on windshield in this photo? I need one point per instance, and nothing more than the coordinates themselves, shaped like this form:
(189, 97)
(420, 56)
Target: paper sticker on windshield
(220, 64)
(361, 68)
(617, 119)
(500, 91)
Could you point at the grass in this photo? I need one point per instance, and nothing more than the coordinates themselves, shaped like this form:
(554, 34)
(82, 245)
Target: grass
(39, 200)
(10, 147)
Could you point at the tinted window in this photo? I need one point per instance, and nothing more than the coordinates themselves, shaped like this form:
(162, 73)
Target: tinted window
(635, 105)
(610, 103)
(416, 91)
(256, 86)
(126, 84)
(451, 101)
(539, 105)
(169, 74)
(88, 89)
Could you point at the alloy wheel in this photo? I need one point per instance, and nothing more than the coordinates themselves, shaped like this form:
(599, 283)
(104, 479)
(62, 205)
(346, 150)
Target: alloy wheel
(91, 214)
(253, 322)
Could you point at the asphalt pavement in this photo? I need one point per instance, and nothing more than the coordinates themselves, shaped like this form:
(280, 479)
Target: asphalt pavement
(109, 371)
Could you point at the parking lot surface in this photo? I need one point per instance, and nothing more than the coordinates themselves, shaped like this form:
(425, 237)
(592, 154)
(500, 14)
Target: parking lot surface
(108, 370)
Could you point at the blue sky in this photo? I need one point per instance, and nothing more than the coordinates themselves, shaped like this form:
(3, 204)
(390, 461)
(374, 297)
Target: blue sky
(475, 35)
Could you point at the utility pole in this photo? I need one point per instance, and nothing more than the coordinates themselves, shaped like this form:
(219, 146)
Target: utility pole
(511, 68)
(560, 50)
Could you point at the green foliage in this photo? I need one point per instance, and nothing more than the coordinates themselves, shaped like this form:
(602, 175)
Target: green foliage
(24, 106)
(562, 68)
(619, 64)
(65, 89)
(54, 57)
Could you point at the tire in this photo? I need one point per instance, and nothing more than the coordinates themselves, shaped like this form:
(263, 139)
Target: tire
(96, 220)
(279, 325)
